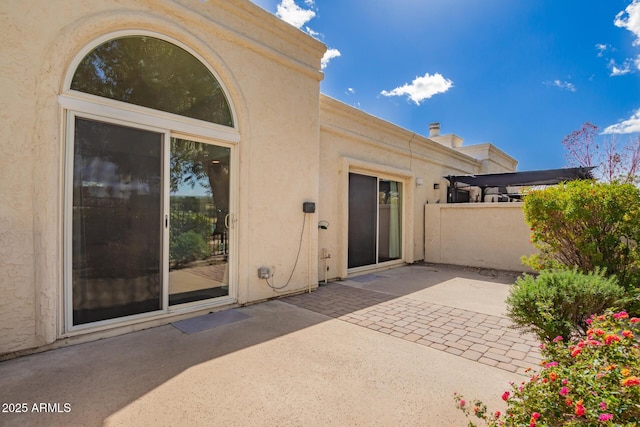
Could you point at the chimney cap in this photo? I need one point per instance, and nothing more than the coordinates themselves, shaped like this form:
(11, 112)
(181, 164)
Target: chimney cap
(434, 129)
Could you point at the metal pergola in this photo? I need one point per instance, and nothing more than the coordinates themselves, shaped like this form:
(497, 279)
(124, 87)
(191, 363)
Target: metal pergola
(516, 179)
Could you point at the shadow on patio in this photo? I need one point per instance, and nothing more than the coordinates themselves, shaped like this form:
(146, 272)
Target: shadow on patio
(284, 365)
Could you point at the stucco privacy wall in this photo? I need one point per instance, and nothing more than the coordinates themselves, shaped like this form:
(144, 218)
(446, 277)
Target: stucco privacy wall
(353, 140)
(270, 72)
(489, 235)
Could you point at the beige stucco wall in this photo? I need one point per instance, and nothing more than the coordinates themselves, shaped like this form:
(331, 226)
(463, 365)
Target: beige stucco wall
(488, 235)
(271, 73)
(294, 146)
(351, 140)
(491, 158)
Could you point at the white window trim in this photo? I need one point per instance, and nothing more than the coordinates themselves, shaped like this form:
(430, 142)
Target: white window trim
(92, 104)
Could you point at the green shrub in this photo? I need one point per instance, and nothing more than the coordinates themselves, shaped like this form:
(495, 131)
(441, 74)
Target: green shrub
(587, 225)
(594, 382)
(559, 302)
(188, 247)
(185, 221)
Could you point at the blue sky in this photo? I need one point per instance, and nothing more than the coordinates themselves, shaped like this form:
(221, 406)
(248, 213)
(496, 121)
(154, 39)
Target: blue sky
(521, 74)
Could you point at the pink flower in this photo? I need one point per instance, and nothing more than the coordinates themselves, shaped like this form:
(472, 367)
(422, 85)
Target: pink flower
(535, 415)
(589, 321)
(505, 395)
(610, 339)
(558, 338)
(605, 417)
(551, 364)
(564, 391)
(635, 320)
(576, 352)
(462, 403)
(621, 315)
(603, 406)
(565, 381)
(496, 414)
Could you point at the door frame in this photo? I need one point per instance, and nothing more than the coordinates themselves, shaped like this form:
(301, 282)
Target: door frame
(232, 259)
(404, 176)
(66, 307)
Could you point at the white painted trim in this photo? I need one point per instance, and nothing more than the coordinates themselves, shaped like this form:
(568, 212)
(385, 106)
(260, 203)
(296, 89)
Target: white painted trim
(78, 101)
(166, 214)
(67, 228)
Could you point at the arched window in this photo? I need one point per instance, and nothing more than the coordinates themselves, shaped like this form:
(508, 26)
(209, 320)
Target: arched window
(149, 184)
(153, 73)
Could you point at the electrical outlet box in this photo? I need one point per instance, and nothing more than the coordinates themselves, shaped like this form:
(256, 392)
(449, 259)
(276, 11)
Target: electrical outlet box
(308, 207)
(264, 272)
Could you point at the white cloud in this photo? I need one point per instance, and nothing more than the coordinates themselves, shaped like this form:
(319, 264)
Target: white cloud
(631, 125)
(350, 91)
(630, 19)
(562, 85)
(601, 48)
(422, 88)
(625, 68)
(328, 56)
(290, 12)
(312, 33)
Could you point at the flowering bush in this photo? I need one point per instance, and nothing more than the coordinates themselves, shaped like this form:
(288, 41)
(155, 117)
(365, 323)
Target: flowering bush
(591, 382)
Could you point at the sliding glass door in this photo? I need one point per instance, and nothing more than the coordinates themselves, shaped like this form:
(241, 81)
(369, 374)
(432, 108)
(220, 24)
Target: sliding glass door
(199, 221)
(116, 221)
(375, 220)
(146, 233)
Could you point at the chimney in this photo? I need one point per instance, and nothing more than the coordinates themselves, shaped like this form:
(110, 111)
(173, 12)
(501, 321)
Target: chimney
(434, 129)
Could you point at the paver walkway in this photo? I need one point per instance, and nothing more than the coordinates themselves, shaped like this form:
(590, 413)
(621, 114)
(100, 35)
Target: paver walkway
(476, 336)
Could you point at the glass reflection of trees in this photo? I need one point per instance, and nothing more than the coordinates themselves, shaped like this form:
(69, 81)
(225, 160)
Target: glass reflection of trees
(201, 167)
(153, 73)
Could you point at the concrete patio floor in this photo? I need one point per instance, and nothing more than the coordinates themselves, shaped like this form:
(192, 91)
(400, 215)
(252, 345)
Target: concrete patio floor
(387, 348)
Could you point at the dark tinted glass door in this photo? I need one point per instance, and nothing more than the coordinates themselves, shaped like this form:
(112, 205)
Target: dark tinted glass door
(363, 208)
(116, 221)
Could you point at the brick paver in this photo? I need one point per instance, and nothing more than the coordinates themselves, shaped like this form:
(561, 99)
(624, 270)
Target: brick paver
(484, 338)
